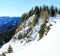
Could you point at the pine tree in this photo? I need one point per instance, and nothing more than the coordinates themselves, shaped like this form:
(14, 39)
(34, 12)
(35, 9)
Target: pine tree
(36, 11)
(42, 30)
(10, 50)
(59, 11)
(23, 18)
(40, 10)
(35, 20)
(52, 11)
(31, 12)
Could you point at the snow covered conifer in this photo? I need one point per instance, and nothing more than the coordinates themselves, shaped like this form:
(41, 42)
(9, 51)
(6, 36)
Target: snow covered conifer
(10, 50)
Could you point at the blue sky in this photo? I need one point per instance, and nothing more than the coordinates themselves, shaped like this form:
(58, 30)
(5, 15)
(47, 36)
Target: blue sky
(18, 7)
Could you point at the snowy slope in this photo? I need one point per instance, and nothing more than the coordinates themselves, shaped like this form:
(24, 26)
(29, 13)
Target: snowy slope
(48, 46)
(15, 42)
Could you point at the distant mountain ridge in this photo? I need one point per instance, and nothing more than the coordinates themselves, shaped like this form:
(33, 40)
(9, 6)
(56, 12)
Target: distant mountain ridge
(8, 25)
(6, 22)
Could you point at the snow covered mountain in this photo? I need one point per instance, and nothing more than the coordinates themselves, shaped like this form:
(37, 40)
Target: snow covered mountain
(35, 37)
(48, 46)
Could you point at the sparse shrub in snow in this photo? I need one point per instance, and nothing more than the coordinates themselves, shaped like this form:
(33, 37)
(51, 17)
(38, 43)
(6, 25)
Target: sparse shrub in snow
(10, 50)
(29, 29)
(14, 38)
(50, 24)
(20, 36)
(29, 39)
(21, 41)
(3, 54)
(47, 29)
